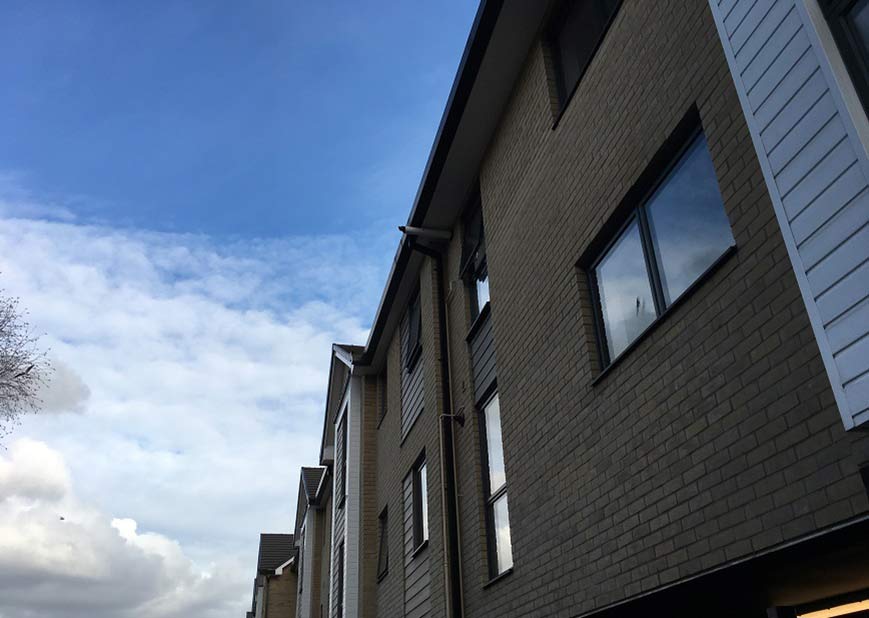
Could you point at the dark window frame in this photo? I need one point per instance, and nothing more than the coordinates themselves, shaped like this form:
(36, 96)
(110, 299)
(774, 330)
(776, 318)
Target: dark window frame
(382, 385)
(856, 58)
(565, 92)
(475, 265)
(339, 602)
(490, 498)
(413, 345)
(633, 209)
(383, 544)
(419, 508)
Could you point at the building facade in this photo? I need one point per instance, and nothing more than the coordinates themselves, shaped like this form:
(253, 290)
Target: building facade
(621, 362)
(274, 588)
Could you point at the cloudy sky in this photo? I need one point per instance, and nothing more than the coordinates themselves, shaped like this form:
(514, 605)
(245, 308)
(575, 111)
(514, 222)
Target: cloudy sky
(196, 199)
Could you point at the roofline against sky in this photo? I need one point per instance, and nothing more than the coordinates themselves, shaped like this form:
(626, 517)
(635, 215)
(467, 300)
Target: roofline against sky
(466, 75)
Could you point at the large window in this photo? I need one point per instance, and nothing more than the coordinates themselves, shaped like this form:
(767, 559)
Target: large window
(475, 270)
(383, 547)
(420, 504)
(849, 23)
(576, 31)
(667, 244)
(497, 515)
(413, 343)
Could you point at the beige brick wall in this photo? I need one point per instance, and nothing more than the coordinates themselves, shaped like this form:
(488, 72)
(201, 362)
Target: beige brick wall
(394, 460)
(717, 436)
(281, 600)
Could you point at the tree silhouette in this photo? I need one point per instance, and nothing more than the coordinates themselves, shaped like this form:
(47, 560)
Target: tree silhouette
(24, 368)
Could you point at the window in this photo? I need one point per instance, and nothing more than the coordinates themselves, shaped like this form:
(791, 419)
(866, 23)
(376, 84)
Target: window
(667, 244)
(576, 31)
(383, 551)
(420, 505)
(849, 23)
(413, 344)
(382, 383)
(475, 270)
(339, 593)
(341, 460)
(497, 513)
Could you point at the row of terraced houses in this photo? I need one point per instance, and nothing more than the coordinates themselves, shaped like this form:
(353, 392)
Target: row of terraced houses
(620, 366)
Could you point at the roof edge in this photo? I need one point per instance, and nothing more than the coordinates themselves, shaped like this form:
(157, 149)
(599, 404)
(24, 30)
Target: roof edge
(466, 75)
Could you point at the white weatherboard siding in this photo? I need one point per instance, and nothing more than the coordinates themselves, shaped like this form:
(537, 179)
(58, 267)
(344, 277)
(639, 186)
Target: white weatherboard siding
(353, 540)
(346, 518)
(807, 134)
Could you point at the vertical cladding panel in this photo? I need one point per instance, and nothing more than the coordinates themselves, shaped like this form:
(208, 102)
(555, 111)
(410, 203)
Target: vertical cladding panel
(483, 357)
(337, 540)
(340, 458)
(340, 521)
(417, 582)
(412, 396)
(817, 174)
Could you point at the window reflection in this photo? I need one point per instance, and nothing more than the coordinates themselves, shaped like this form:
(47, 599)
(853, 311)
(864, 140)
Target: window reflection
(687, 221)
(503, 545)
(497, 478)
(482, 291)
(625, 293)
(423, 493)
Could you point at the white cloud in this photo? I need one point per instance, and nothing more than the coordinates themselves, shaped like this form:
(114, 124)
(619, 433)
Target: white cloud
(206, 365)
(62, 557)
(64, 390)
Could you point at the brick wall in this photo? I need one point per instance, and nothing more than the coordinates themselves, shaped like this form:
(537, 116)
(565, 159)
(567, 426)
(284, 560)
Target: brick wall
(281, 602)
(395, 458)
(717, 436)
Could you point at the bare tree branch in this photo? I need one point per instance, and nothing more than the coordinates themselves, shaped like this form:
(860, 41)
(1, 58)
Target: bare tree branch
(24, 368)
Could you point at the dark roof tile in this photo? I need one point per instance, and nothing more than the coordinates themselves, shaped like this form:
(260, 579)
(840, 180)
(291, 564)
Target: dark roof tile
(274, 550)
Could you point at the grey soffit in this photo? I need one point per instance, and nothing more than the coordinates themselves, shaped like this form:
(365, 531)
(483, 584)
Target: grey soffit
(311, 478)
(274, 550)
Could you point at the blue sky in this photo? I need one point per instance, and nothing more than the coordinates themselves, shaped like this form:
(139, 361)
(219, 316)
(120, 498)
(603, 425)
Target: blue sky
(196, 200)
(258, 118)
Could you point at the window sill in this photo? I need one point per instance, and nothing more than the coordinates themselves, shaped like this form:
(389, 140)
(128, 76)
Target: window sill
(419, 549)
(479, 321)
(707, 274)
(498, 578)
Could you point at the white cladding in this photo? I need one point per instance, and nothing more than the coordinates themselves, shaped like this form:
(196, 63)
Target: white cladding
(809, 132)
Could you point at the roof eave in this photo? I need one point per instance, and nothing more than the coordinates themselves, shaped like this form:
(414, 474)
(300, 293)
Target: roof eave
(513, 27)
